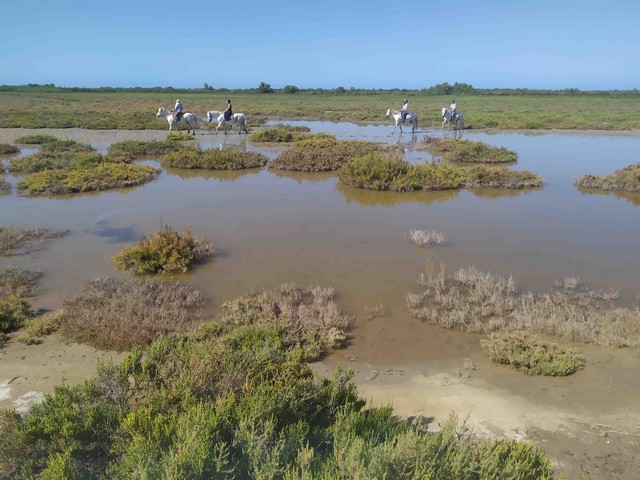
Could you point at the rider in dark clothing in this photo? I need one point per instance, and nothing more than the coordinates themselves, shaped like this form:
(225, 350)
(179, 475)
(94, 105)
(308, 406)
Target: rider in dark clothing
(228, 112)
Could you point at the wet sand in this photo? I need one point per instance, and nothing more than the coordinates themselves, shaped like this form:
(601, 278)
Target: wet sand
(273, 227)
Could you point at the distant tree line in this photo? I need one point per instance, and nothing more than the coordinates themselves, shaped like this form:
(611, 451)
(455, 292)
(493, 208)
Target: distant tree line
(440, 89)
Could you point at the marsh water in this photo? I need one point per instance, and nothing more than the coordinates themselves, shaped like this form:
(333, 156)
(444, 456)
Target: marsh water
(272, 227)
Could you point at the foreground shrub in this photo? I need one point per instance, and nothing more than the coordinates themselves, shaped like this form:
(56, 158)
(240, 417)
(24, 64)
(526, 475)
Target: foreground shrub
(14, 312)
(166, 251)
(627, 179)
(305, 317)
(322, 154)
(138, 147)
(478, 152)
(214, 159)
(433, 176)
(17, 282)
(489, 177)
(531, 355)
(37, 139)
(220, 403)
(22, 240)
(102, 177)
(375, 171)
(62, 161)
(7, 148)
(119, 314)
(40, 326)
(483, 302)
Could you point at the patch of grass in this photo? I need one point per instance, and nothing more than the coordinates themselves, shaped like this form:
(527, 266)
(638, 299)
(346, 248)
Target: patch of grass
(422, 238)
(5, 186)
(179, 137)
(65, 146)
(102, 177)
(438, 145)
(37, 139)
(478, 152)
(166, 251)
(626, 179)
(39, 162)
(21, 240)
(40, 326)
(14, 312)
(493, 177)
(139, 147)
(17, 282)
(7, 148)
(483, 302)
(214, 159)
(285, 133)
(120, 314)
(322, 154)
(532, 355)
(306, 317)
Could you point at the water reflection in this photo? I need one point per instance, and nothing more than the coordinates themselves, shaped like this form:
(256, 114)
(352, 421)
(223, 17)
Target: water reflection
(300, 177)
(631, 197)
(114, 234)
(220, 175)
(371, 198)
(503, 192)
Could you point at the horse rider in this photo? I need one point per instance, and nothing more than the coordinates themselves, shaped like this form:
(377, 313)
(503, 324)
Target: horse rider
(228, 111)
(177, 111)
(404, 110)
(452, 109)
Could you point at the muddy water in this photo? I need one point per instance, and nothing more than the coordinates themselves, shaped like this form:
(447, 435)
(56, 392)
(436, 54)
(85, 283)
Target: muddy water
(272, 227)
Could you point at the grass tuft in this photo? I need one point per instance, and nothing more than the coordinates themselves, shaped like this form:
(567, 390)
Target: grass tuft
(423, 238)
(22, 240)
(469, 151)
(17, 282)
(214, 159)
(40, 326)
(7, 148)
(626, 179)
(139, 147)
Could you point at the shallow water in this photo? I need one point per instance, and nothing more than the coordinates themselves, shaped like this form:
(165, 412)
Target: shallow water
(272, 227)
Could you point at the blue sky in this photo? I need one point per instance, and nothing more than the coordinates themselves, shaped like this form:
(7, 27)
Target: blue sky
(369, 44)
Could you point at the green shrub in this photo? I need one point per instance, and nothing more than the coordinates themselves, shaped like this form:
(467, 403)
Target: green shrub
(17, 282)
(532, 355)
(120, 314)
(40, 326)
(626, 179)
(165, 251)
(37, 139)
(7, 148)
(5, 186)
(434, 176)
(285, 133)
(139, 147)
(102, 177)
(376, 171)
(14, 312)
(214, 159)
(179, 137)
(65, 146)
(478, 152)
(493, 177)
(62, 161)
(21, 240)
(321, 154)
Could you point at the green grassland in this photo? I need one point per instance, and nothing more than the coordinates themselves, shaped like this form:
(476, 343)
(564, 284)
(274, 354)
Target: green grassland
(131, 110)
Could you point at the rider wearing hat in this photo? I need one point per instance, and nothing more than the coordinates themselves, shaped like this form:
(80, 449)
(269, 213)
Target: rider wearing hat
(404, 110)
(177, 111)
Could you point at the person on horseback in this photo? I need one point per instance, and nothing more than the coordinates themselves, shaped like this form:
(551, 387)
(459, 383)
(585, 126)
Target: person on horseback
(404, 110)
(177, 111)
(452, 109)
(228, 111)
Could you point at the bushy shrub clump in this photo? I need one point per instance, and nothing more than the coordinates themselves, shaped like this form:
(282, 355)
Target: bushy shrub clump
(166, 251)
(439, 145)
(40, 326)
(322, 154)
(627, 179)
(285, 133)
(37, 139)
(102, 177)
(236, 404)
(307, 317)
(119, 314)
(179, 137)
(62, 161)
(493, 177)
(479, 152)
(58, 145)
(139, 147)
(532, 355)
(14, 312)
(214, 159)
(5, 186)
(17, 282)
(7, 148)
(20, 240)
(377, 171)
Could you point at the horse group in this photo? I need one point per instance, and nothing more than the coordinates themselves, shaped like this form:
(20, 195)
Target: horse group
(191, 120)
(412, 119)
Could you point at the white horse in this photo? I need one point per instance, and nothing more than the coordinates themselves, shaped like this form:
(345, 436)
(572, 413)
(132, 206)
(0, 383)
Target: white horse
(236, 119)
(188, 118)
(397, 116)
(457, 119)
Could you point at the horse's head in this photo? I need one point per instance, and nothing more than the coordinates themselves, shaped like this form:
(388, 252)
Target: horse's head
(161, 112)
(209, 116)
(388, 113)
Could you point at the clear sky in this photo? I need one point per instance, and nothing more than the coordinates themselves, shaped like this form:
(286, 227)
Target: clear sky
(542, 44)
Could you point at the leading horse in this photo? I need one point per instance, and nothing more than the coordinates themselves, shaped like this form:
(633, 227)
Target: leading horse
(236, 119)
(188, 118)
(457, 119)
(411, 118)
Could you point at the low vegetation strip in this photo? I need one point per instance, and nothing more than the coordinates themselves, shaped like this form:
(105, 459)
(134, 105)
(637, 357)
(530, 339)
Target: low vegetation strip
(237, 403)
(307, 317)
(478, 152)
(626, 179)
(36, 139)
(120, 314)
(532, 355)
(17, 282)
(322, 154)
(495, 177)
(17, 240)
(14, 313)
(483, 302)
(102, 177)
(63, 161)
(65, 146)
(166, 251)
(214, 159)
(139, 147)
(285, 133)
(6, 148)
(5, 186)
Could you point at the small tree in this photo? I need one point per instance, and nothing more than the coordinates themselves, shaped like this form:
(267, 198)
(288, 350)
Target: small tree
(290, 89)
(265, 88)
